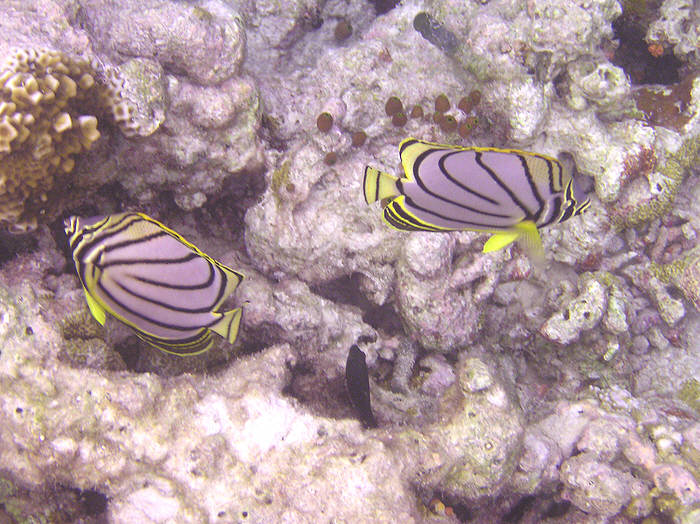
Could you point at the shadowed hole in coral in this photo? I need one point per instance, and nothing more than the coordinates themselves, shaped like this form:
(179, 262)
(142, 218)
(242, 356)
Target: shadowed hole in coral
(675, 293)
(228, 208)
(260, 337)
(93, 502)
(130, 350)
(323, 396)
(269, 132)
(634, 57)
(518, 511)
(383, 6)
(346, 290)
(461, 511)
(13, 245)
(556, 510)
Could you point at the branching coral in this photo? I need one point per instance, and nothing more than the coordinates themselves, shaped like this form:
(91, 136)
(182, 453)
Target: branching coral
(48, 107)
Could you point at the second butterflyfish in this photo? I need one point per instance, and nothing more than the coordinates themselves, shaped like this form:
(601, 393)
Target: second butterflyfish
(506, 192)
(154, 281)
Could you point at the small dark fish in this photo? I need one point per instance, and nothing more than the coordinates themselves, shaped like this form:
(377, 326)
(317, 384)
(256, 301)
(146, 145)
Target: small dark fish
(435, 33)
(357, 381)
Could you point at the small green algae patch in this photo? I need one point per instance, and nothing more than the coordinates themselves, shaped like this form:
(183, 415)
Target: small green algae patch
(673, 172)
(690, 393)
(684, 273)
(280, 179)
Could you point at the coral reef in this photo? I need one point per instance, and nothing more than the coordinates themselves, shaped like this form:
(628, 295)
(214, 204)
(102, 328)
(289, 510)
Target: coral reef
(503, 389)
(48, 105)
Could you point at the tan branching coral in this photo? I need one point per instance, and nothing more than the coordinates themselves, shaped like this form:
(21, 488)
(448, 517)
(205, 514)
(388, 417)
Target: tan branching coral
(49, 105)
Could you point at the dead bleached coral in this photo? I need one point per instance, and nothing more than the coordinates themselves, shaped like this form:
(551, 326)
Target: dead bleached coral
(437, 299)
(472, 451)
(678, 27)
(49, 104)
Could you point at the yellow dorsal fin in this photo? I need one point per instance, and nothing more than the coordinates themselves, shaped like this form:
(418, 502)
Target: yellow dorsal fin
(410, 149)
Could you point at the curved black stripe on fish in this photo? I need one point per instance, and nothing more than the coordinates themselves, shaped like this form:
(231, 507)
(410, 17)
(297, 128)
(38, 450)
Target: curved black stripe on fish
(457, 203)
(151, 320)
(401, 215)
(161, 283)
(441, 164)
(554, 210)
(479, 225)
(101, 236)
(533, 188)
(391, 217)
(516, 201)
(108, 248)
(131, 262)
(179, 309)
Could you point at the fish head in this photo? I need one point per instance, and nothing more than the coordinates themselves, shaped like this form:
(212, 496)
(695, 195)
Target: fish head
(70, 225)
(577, 198)
(76, 224)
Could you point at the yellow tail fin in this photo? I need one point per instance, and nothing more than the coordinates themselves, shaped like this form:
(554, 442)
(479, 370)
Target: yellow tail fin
(228, 324)
(379, 185)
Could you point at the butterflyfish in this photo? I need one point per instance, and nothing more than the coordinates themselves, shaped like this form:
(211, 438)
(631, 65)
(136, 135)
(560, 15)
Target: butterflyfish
(357, 382)
(506, 192)
(153, 280)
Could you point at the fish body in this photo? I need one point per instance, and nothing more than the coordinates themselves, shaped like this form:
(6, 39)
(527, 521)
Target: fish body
(153, 280)
(357, 381)
(506, 192)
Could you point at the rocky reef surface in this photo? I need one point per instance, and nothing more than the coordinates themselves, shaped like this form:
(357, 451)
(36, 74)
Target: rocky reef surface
(503, 390)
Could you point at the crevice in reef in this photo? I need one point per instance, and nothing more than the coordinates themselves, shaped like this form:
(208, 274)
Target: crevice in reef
(346, 290)
(326, 397)
(12, 245)
(634, 57)
(383, 6)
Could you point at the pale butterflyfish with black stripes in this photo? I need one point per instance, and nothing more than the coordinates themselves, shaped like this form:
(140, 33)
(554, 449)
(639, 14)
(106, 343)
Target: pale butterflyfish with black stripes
(506, 192)
(154, 281)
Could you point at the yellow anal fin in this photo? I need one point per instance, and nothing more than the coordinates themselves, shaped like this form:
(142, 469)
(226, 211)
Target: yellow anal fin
(379, 185)
(97, 311)
(525, 233)
(500, 240)
(228, 324)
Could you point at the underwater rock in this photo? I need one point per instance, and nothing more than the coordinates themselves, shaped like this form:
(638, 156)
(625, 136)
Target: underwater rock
(268, 436)
(582, 313)
(150, 441)
(205, 42)
(437, 303)
(678, 26)
(478, 437)
(596, 487)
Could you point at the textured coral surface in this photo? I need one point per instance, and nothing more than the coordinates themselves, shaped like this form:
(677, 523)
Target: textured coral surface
(505, 390)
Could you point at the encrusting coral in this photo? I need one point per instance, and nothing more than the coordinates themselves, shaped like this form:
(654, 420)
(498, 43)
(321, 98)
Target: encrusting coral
(49, 104)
